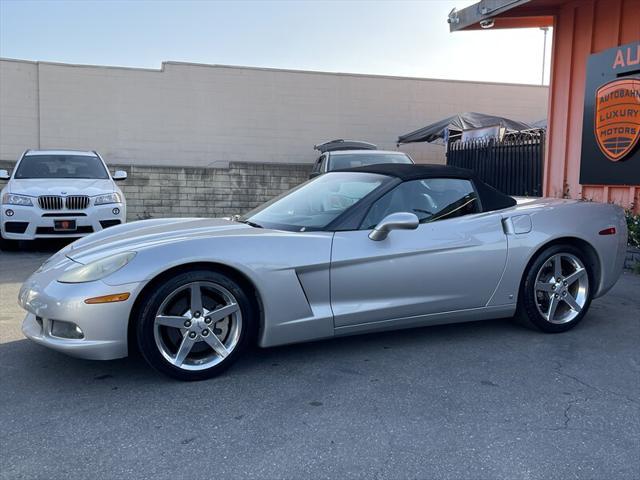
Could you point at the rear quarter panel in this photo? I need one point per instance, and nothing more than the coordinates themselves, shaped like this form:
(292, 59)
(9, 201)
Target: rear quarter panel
(554, 220)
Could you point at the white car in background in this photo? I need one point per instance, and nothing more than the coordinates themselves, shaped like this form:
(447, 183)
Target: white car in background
(58, 194)
(340, 154)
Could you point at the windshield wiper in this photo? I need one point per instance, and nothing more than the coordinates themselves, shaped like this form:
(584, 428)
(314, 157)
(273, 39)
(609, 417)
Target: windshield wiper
(239, 219)
(252, 224)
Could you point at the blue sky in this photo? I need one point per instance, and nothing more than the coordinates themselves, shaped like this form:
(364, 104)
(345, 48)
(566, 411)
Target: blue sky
(406, 38)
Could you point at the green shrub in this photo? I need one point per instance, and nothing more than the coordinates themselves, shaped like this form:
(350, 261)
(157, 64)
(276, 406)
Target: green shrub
(633, 225)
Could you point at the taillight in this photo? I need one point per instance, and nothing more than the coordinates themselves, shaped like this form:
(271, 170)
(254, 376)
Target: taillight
(608, 231)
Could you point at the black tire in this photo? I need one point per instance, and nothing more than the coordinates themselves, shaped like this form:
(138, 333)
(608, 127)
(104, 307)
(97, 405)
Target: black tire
(151, 303)
(528, 312)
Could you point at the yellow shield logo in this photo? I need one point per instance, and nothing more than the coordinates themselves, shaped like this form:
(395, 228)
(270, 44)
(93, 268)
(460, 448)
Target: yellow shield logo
(617, 117)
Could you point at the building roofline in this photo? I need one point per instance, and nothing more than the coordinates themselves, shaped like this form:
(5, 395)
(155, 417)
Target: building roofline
(269, 69)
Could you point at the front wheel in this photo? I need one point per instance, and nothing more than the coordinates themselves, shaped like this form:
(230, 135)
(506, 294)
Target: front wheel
(195, 325)
(556, 291)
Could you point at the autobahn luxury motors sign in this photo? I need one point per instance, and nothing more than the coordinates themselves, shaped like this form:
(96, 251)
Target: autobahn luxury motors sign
(610, 153)
(617, 117)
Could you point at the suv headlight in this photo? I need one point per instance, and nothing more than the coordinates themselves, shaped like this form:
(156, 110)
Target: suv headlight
(13, 199)
(98, 269)
(108, 198)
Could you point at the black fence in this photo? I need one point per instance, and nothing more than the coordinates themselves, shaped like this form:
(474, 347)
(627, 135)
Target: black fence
(513, 166)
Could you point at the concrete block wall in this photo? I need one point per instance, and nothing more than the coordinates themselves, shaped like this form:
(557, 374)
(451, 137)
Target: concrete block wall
(158, 191)
(207, 115)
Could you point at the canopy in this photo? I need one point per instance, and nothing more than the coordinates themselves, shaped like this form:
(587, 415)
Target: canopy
(438, 131)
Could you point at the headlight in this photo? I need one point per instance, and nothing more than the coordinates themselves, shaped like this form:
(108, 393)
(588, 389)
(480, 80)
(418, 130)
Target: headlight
(108, 198)
(13, 199)
(98, 269)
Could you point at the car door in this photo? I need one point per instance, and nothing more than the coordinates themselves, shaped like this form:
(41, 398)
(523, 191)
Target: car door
(452, 261)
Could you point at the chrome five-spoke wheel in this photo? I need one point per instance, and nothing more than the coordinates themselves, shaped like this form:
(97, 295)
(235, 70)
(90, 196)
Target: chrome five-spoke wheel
(556, 291)
(194, 324)
(561, 288)
(197, 325)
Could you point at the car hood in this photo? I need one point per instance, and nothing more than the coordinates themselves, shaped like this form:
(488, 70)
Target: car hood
(61, 186)
(136, 236)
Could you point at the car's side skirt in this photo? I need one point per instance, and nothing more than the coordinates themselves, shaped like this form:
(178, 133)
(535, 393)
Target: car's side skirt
(457, 316)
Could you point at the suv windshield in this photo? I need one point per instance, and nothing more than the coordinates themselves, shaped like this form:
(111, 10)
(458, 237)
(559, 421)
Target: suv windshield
(316, 203)
(350, 160)
(61, 166)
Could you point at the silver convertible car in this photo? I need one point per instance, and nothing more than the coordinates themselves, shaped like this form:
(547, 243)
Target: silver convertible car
(353, 251)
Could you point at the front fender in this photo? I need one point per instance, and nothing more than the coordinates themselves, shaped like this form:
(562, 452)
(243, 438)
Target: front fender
(290, 272)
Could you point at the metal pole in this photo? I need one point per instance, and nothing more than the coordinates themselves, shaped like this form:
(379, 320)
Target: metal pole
(544, 52)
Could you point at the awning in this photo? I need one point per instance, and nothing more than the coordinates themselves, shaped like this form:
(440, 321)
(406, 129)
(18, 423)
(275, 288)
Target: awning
(438, 131)
(505, 14)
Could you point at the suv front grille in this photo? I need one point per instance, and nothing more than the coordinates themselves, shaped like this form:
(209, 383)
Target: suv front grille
(55, 202)
(50, 202)
(77, 202)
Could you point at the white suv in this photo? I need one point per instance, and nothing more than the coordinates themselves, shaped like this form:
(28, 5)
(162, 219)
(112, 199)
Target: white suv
(59, 193)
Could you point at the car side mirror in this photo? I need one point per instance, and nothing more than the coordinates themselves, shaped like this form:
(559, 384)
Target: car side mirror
(4, 175)
(394, 221)
(314, 174)
(119, 175)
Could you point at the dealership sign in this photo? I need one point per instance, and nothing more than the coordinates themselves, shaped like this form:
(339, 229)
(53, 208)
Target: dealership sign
(610, 153)
(617, 117)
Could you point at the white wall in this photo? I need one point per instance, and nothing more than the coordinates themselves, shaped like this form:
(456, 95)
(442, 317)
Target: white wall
(204, 115)
(18, 108)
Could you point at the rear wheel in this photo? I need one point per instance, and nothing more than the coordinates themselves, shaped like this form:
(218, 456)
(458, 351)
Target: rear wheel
(556, 291)
(195, 325)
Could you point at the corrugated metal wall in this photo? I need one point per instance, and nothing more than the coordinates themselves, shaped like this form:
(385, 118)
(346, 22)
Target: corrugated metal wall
(583, 27)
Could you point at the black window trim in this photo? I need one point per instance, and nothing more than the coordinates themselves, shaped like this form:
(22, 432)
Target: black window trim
(479, 200)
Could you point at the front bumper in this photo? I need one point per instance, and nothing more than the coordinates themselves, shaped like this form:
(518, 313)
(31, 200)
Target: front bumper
(82, 348)
(104, 326)
(29, 223)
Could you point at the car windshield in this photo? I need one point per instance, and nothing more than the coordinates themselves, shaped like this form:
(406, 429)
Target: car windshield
(316, 203)
(61, 166)
(350, 160)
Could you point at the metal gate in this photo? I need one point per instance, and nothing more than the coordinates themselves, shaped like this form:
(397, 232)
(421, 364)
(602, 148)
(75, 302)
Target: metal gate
(513, 165)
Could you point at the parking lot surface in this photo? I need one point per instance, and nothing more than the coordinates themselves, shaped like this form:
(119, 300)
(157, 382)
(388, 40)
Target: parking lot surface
(474, 401)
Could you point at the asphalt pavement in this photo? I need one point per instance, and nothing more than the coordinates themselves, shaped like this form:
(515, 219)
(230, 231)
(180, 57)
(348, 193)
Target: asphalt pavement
(467, 401)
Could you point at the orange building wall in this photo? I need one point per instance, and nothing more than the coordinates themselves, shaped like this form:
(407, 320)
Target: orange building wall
(583, 27)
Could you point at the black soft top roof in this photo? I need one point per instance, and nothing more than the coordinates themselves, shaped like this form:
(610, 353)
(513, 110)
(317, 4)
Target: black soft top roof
(407, 171)
(490, 198)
